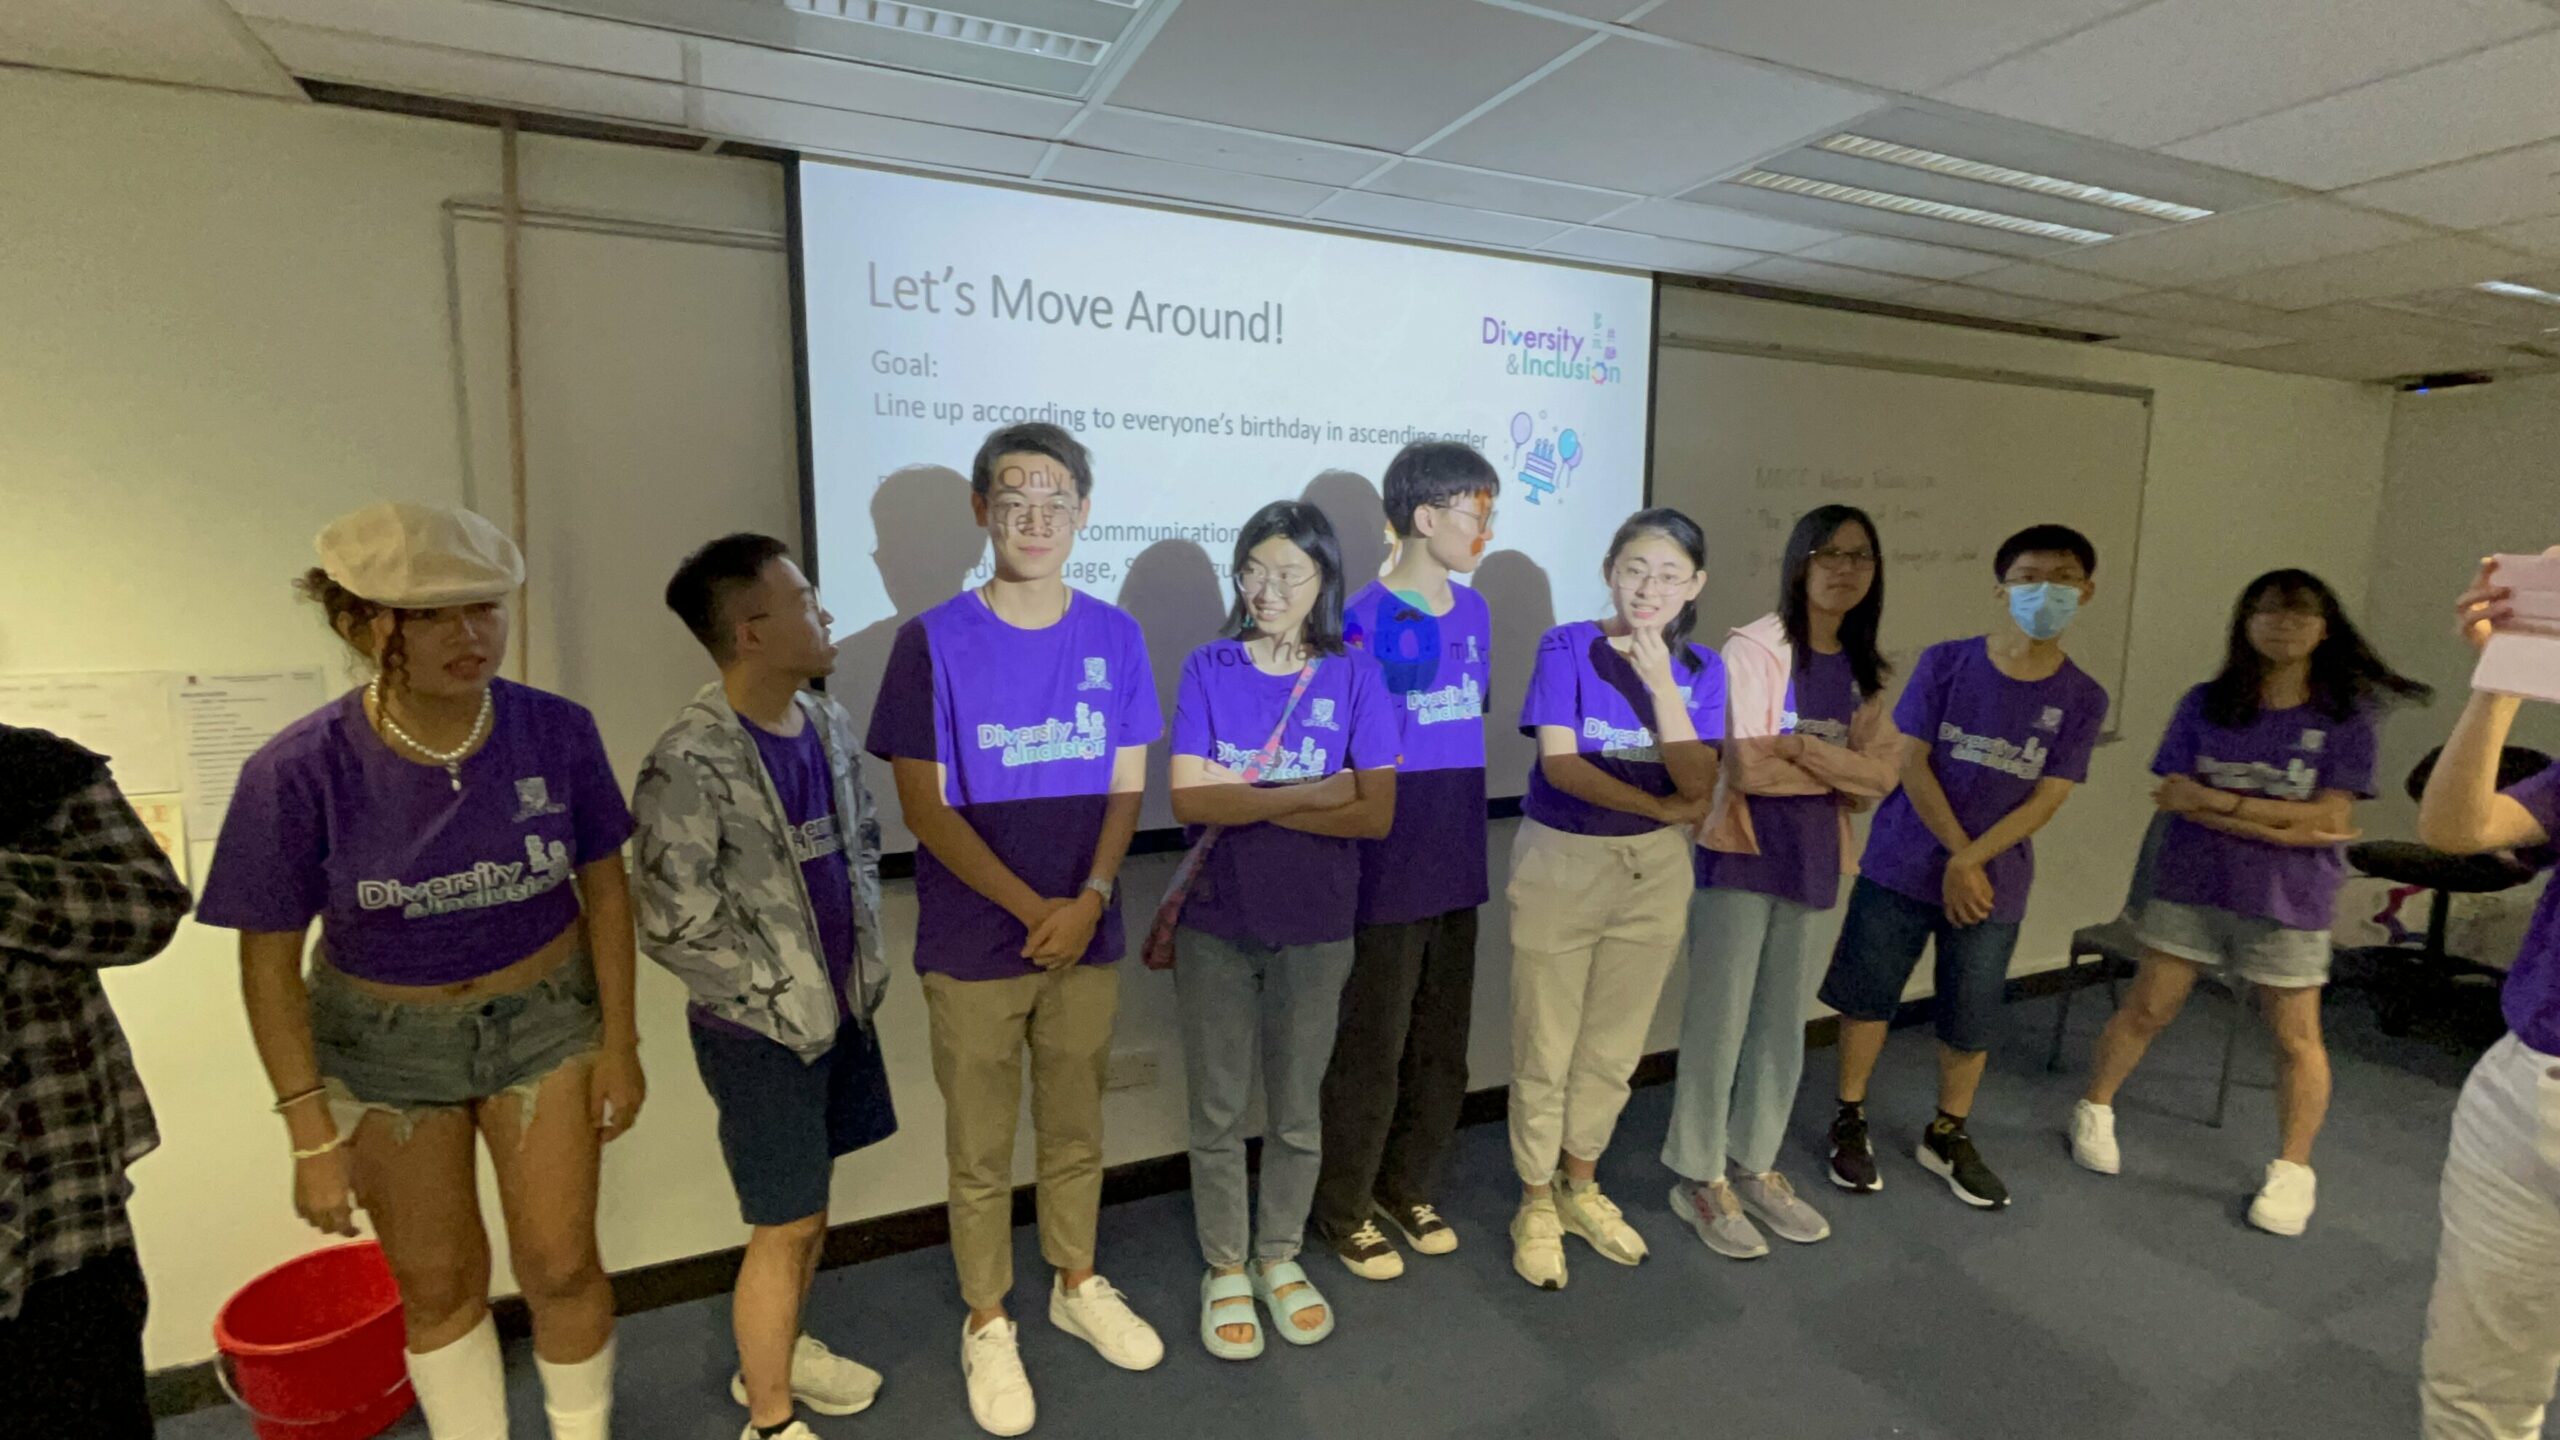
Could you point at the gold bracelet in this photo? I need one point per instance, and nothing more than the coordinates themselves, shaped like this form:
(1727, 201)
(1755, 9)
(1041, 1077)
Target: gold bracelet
(298, 1097)
(316, 1151)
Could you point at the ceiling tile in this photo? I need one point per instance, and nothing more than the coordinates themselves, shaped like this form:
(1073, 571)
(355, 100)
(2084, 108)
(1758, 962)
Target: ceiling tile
(1492, 190)
(875, 89)
(1651, 252)
(1698, 114)
(1964, 300)
(2464, 313)
(180, 42)
(847, 132)
(520, 31)
(1827, 279)
(2540, 237)
(2183, 348)
(2043, 282)
(2392, 270)
(490, 79)
(2179, 67)
(1714, 225)
(1347, 70)
(2180, 308)
(1139, 175)
(2474, 194)
(1440, 222)
(2271, 235)
(1903, 257)
(2449, 111)
(2376, 357)
(1909, 45)
(2099, 320)
(1610, 10)
(1223, 148)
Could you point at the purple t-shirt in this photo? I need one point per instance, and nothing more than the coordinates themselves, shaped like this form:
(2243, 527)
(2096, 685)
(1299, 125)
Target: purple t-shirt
(413, 882)
(1582, 683)
(1267, 884)
(1437, 669)
(1990, 740)
(1026, 725)
(1799, 835)
(2281, 755)
(2531, 999)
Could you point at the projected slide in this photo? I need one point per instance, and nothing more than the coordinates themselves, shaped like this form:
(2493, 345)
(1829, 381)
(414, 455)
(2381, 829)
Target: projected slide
(1212, 366)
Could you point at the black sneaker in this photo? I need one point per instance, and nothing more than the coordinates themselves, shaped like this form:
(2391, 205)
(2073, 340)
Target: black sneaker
(1950, 1156)
(1365, 1252)
(1853, 1160)
(1421, 1226)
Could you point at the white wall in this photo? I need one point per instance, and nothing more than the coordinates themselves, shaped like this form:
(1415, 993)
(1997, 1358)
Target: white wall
(231, 323)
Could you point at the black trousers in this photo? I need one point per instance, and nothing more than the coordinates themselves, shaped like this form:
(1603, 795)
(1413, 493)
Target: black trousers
(73, 1357)
(1399, 1071)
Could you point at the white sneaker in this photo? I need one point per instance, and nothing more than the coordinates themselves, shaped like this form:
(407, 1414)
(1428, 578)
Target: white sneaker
(1537, 1243)
(2093, 1138)
(999, 1393)
(1100, 1316)
(1596, 1218)
(2284, 1203)
(823, 1380)
(796, 1430)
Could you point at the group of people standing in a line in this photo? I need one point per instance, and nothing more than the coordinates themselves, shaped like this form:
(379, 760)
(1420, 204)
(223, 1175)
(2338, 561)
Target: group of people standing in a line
(461, 840)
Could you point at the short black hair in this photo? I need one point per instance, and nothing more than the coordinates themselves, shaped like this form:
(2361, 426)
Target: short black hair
(1435, 472)
(711, 577)
(1033, 438)
(2059, 539)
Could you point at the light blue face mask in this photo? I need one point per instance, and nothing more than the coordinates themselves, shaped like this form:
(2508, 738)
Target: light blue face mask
(2044, 609)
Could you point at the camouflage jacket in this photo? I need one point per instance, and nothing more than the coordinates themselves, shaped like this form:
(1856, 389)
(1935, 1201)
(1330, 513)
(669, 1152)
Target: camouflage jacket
(718, 897)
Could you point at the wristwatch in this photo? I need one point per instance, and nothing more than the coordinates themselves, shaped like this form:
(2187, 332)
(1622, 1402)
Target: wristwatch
(1102, 887)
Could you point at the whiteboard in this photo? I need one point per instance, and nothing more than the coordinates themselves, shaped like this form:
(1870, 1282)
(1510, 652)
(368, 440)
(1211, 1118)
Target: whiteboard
(1949, 463)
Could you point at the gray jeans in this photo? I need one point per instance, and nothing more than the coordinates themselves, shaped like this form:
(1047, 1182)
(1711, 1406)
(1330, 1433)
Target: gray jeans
(1240, 1002)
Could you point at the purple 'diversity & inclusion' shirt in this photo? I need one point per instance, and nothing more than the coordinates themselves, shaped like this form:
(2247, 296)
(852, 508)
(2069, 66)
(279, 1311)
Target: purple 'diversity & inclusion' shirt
(1799, 835)
(1581, 682)
(414, 882)
(1437, 670)
(1026, 724)
(798, 768)
(2290, 754)
(1266, 884)
(1990, 740)
(2531, 999)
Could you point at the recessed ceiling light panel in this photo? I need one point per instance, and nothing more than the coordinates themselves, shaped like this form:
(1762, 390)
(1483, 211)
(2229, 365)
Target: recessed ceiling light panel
(967, 29)
(1914, 205)
(1937, 163)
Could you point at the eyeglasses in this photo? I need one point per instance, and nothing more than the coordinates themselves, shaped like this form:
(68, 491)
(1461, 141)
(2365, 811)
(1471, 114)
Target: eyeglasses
(1255, 580)
(1636, 579)
(1483, 521)
(1845, 559)
(1016, 513)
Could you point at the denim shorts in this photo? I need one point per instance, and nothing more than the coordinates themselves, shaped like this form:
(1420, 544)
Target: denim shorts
(1880, 943)
(2253, 947)
(406, 1058)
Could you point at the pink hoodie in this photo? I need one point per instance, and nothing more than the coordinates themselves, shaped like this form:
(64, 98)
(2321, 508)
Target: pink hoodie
(1757, 662)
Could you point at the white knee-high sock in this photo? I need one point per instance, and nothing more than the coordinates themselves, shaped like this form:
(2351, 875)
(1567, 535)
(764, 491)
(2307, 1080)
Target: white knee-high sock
(579, 1397)
(463, 1387)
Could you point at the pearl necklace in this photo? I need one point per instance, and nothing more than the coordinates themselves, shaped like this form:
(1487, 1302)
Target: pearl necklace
(451, 759)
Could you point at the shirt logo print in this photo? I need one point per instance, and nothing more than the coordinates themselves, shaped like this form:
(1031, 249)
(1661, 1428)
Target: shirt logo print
(2051, 719)
(1097, 675)
(533, 801)
(1320, 715)
(2313, 740)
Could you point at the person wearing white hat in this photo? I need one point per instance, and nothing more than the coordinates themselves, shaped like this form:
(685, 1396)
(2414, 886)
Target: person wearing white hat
(458, 837)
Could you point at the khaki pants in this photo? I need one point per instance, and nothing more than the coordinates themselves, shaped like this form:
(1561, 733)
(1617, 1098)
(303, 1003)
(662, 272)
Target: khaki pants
(980, 1029)
(1596, 924)
(2493, 1325)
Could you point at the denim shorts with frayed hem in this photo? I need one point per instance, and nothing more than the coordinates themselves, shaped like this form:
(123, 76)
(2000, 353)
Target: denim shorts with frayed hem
(1880, 943)
(407, 1060)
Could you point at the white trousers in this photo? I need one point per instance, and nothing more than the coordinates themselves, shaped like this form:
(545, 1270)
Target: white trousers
(2493, 1325)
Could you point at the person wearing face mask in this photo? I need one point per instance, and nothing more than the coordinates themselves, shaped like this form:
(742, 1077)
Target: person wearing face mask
(459, 839)
(1997, 730)
(1625, 711)
(1016, 718)
(758, 886)
(2262, 765)
(1284, 755)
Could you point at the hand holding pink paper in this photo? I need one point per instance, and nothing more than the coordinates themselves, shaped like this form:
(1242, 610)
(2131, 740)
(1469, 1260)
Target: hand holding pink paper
(2517, 600)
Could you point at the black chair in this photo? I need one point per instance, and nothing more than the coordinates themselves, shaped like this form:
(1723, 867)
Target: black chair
(2117, 946)
(2407, 978)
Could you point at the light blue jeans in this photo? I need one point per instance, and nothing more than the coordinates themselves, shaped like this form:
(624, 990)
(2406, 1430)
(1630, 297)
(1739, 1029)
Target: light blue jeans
(1240, 1003)
(1742, 1040)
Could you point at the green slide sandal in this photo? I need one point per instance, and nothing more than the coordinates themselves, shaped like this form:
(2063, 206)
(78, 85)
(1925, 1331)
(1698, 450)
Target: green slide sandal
(1285, 1308)
(1214, 1288)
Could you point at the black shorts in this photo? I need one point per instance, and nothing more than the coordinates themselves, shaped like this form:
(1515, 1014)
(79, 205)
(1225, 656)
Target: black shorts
(783, 1122)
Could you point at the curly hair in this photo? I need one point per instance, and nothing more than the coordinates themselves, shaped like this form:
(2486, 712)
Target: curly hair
(351, 616)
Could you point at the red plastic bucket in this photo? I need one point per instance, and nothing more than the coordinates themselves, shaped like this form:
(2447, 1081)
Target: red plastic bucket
(315, 1349)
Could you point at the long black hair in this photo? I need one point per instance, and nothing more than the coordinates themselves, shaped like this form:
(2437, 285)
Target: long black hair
(1682, 531)
(1304, 526)
(1858, 627)
(2346, 676)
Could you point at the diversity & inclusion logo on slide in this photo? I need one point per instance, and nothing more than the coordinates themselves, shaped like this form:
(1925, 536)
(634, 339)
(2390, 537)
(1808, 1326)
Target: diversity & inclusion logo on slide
(1557, 352)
